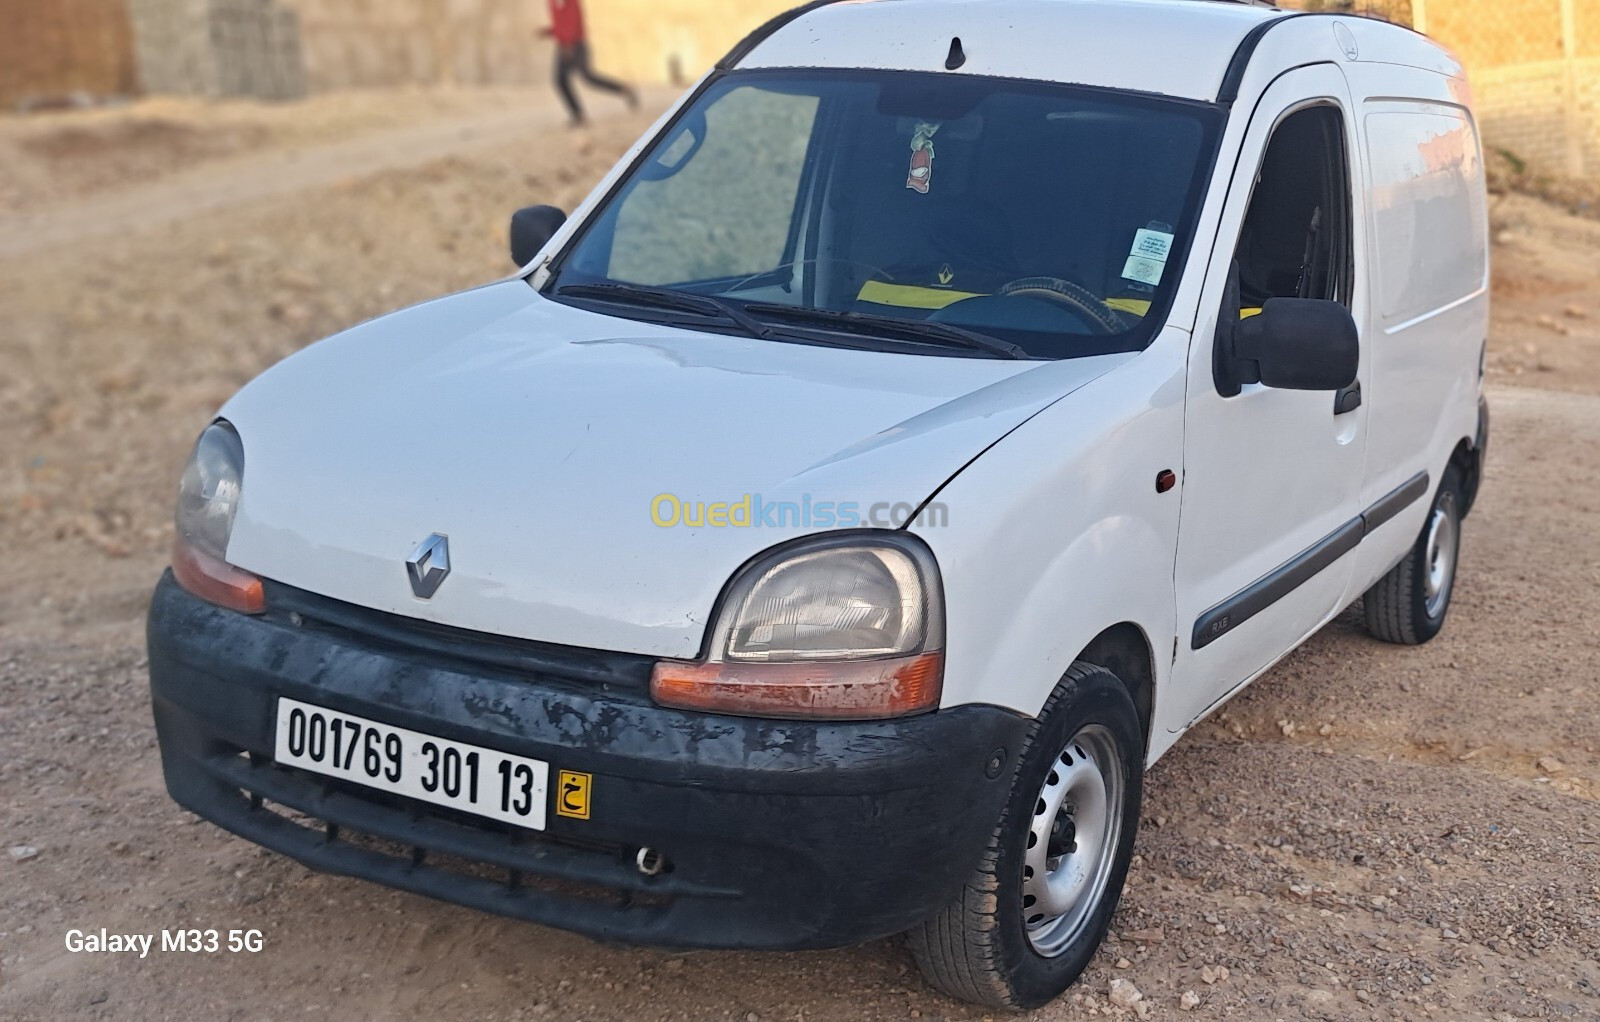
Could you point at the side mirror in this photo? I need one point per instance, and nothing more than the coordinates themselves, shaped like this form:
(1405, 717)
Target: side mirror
(1292, 344)
(531, 228)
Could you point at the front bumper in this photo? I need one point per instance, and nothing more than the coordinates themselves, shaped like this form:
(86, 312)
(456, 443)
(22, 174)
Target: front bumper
(781, 834)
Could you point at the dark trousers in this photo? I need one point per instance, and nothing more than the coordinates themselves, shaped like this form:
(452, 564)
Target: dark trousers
(572, 60)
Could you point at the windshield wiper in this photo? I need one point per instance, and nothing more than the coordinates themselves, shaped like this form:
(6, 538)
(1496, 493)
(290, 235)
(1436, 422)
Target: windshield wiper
(745, 317)
(888, 326)
(664, 298)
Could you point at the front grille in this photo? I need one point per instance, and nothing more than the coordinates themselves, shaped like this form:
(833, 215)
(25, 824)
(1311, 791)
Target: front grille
(445, 646)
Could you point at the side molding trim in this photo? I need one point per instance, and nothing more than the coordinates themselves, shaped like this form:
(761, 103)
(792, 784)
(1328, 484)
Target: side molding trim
(1395, 501)
(1304, 566)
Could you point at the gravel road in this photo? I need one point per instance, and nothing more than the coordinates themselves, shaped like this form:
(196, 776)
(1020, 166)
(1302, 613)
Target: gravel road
(1369, 832)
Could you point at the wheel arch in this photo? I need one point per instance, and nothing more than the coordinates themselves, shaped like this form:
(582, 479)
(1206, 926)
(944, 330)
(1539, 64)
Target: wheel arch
(1125, 651)
(1467, 459)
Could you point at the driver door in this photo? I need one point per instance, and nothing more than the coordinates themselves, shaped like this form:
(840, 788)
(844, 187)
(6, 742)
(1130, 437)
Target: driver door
(1271, 477)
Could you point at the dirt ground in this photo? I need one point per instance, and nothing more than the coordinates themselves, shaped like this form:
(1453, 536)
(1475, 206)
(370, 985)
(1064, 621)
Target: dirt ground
(1370, 832)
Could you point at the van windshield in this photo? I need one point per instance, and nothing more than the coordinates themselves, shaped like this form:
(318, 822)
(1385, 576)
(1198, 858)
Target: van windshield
(941, 214)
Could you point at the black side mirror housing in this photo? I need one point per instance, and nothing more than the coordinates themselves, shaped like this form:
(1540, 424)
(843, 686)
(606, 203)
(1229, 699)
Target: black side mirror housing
(1292, 344)
(531, 228)
(1301, 344)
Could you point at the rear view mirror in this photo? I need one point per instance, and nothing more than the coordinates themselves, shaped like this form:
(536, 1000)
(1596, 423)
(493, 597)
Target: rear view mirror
(684, 141)
(531, 229)
(1293, 344)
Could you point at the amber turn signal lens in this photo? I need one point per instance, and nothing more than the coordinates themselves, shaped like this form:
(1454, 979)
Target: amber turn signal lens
(840, 690)
(217, 581)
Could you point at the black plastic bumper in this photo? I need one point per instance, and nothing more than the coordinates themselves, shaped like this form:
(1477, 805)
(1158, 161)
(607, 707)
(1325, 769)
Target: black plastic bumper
(780, 834)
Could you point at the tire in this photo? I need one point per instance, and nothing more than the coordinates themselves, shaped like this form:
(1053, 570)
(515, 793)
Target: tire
(1409, 604)
(980, 948)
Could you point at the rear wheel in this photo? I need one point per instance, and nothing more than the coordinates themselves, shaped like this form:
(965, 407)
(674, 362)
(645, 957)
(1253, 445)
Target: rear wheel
(1042, 895)
(1408, 605)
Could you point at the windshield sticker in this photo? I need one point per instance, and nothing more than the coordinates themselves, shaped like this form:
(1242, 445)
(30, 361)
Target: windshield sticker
(920, 177)
(1148, 260)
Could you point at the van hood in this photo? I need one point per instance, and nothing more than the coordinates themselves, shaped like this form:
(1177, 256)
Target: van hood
(538, 437)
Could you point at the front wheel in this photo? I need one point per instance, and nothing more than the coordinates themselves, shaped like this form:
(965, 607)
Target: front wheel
(1041, 898)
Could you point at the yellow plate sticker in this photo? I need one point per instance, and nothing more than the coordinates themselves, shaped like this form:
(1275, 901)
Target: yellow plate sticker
(572, 794)
(911, 296)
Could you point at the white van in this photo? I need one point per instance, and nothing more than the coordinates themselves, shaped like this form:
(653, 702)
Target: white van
(942, 409)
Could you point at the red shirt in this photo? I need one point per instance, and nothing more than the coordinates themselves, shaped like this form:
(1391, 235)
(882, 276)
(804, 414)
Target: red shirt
(566, 22)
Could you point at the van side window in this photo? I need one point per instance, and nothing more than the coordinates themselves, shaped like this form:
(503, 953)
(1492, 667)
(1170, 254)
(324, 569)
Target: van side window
(1296, 237)
(1427, 209)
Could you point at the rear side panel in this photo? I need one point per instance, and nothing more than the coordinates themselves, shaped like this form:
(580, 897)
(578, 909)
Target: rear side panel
(1429, 265)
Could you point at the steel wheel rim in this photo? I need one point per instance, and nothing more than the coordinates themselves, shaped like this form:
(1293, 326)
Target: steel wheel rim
(1441, 556)
(1072, 840)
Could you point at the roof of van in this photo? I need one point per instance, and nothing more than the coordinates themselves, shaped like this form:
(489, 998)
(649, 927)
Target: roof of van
(1182, 48)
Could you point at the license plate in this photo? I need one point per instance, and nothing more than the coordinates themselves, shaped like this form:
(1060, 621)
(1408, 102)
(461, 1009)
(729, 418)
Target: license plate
(470, 778)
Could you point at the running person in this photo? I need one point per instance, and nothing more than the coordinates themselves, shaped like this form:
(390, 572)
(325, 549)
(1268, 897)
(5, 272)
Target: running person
(572, 57)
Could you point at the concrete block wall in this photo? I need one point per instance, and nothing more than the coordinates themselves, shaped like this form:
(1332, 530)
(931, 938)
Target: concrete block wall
(1588, 88)
(1496, 33)
(173, 46)
(1520, 112)
(218, 48)
(1535, 69)
(258, 49)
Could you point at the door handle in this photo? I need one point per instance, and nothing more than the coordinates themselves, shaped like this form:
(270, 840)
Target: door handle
(1348, 399)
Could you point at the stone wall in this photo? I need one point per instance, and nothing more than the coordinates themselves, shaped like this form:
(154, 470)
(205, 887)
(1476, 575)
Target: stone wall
(497, 42)
(359, 43)
(1535, 68)
(218, 48)
(55, 48)
(1534, 65)
(659, 41)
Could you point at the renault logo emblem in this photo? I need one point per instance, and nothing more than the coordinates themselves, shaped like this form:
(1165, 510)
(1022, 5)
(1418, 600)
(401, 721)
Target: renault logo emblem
(428, 564)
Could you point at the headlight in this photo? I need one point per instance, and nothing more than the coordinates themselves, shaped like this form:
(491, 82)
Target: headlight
(208, 498)
(846, 627)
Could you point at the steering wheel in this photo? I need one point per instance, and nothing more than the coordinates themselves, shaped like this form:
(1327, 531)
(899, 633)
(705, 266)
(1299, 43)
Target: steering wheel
(1079, 300)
